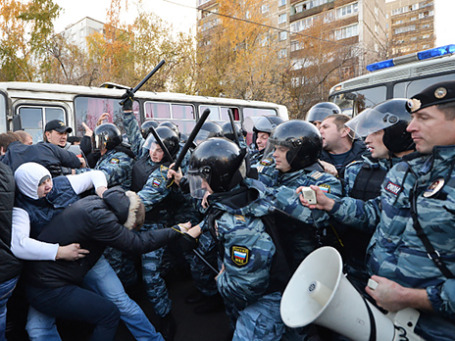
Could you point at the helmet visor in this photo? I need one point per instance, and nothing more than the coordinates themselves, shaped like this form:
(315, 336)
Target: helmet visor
(149, 141)
(201, 136)
(99, 142)
(370, 121)
(198, 180)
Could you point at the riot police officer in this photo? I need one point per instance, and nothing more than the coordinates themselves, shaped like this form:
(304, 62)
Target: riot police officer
(217, 171)
(262, 129)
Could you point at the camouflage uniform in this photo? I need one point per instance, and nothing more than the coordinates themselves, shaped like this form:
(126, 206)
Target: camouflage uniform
(355, 241)
(117, 166)
(395, 250)
(246, 251)
(302, 228)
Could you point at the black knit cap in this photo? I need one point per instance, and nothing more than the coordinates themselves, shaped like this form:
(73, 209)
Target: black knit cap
(439, 93)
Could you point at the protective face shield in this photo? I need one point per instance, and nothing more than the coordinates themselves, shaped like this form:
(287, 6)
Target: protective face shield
(264, 124)
(106, 135)
(209, 129)
(167, 136)
(197, 179)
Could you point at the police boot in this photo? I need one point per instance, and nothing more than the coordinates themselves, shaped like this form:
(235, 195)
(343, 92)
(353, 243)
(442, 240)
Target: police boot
(210, 304)
(167, 327)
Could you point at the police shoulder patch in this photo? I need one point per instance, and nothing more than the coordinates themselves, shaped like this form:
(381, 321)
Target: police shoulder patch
(114, 161)
(266, 162)
(392, 188)
(240, 255)
(156, 182)
(316, 175)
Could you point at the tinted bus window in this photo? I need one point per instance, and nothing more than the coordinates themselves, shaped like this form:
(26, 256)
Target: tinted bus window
(3, 127)
(89, 109)
(359, 99)
(157, 110)
(215, 114)
(248, 112)
(225, 114)
(411, 88)
(33, 119)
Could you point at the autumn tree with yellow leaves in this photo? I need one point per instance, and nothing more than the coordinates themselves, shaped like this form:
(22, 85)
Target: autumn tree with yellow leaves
(238, 58)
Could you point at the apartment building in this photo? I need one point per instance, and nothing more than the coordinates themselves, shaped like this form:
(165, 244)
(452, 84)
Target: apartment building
(78, 32)
(411, 26)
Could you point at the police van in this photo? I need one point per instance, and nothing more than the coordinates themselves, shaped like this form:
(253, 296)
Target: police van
(401, 77)
(29, 106)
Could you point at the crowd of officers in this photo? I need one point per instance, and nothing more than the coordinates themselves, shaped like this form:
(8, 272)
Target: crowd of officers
(81, 214)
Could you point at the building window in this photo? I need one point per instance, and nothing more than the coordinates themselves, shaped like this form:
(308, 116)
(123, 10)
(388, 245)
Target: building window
(281, 3)
(282, 18)
(298, 8)
(296, 46)
(347, 32)
(347, 10)
(301, 25)
(264, 8)
(297, 64)
(405, 29)
(283, 35)
(283, 53)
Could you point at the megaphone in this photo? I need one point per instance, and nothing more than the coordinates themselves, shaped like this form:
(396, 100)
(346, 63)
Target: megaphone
(325, 297)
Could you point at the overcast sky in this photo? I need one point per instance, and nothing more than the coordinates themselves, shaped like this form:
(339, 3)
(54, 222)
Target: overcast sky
(182, 18)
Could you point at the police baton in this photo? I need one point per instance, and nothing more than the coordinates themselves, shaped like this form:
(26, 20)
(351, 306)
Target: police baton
(161, 144)
(146, 78)
(231, 118)
(205, 261)
(190, 140)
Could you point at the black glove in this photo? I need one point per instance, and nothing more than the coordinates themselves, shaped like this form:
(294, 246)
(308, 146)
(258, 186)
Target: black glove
(55, 170)
(127, 102)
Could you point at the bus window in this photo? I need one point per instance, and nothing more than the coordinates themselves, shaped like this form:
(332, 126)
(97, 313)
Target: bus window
(32, 118)
(225, 114)
(248, 112)
(157, 110)
(3, 113)
(182, 112)
(359, 99)
(411, 88)
(215, 114)
(89, 109)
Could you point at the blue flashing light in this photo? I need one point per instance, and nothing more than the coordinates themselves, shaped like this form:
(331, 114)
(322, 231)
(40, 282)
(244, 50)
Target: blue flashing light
(427, 54)
(436, 52)
(380, 65)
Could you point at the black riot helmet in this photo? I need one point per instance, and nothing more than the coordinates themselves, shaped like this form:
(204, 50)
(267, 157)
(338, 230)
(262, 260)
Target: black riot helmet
(169, 139)
(265, 124)
(320, 111)
(393, 116)
(208, 129)
(172, 126)
(146, 127)
(302, 139)
(229, 133)
(218, 161)
(108, 136)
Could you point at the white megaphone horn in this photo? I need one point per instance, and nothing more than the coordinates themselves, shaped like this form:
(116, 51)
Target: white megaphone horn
(319, 293)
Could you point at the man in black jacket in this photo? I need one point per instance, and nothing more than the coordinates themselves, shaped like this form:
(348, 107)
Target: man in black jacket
(54, 287)
(10, 266)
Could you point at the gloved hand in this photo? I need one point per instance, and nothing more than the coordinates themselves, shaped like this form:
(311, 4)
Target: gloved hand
(127, 102)
(55, 170)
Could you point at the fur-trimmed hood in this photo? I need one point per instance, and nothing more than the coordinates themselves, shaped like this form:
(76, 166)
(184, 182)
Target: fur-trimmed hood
(124, 204)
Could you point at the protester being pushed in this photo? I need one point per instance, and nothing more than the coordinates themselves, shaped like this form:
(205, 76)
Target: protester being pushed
(54, 287)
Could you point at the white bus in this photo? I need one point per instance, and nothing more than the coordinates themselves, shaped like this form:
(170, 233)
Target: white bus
(29, 106)
(400, 77)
